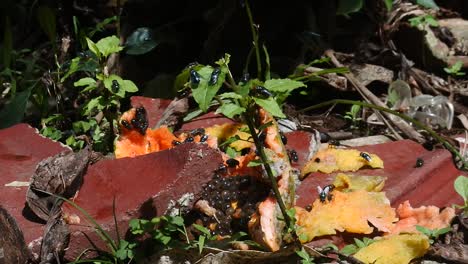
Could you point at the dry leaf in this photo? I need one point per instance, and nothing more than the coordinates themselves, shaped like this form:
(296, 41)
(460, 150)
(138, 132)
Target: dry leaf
(427, 216)
(396, 249)
(333, 159)
(350, 211)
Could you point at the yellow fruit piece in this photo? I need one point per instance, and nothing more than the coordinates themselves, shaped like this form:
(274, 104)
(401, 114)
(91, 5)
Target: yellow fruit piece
(225, 131)
(344, 182)
(350, 211)
(332, 159)
(397, 249)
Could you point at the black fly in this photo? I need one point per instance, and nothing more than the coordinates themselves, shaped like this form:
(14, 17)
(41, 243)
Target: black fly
(419, 163)
(232, 163)
(204, 138)
(365, 156)
(284, 139)
(325, 193)
(214, 76)
(126, 124)
(194, 77)
(261, 92)
(293, 155)
(115, 86)
(198, 132)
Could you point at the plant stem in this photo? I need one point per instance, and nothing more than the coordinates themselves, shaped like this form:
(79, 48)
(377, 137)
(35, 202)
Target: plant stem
(400, 115)
(255, 39)
(248, 117)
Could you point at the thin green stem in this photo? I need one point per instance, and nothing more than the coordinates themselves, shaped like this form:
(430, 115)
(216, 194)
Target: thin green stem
(418, 124)
(255, 39)
(248, 117)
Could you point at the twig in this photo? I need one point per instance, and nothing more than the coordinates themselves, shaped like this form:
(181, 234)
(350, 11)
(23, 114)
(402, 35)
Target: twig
(255, 39)
(371, 98)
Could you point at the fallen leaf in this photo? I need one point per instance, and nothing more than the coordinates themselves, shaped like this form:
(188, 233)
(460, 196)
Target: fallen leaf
(345, 182)
(332, 159)
(427, 216)
(399, 249)
(350, 211)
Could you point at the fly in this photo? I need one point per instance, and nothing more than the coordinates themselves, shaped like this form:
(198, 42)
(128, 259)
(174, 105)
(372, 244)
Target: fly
(325, 193)
(293, 155)
(262, 92)
(126, 124)
(115, 86)
(284, 139)
(194, 77)
(232, 163)
(365, 156)
(214, 76)
(204, 138)
(419, 163)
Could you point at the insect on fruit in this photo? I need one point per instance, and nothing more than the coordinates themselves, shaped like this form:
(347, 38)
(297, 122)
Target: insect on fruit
(317, 160)
(198, 132)
(261, 92)
(189, 139)
(126, 124)
(419, 163)
(333, 143)
(194, 77)
(176, 143)
(325, 193)
(221, 168)
(365, 156)
(232, 163)
(204, 138)
(214, 76)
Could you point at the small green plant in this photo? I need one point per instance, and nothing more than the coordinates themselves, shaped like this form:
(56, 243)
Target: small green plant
(455, 69)
(461, 187)
(161, 229)
(433, 234)
(353, 116)
(305, 257)
(101, 92)
(358, 244)
(421, 21)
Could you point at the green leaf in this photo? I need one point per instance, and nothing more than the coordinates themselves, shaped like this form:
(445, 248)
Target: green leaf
(282, 85)
(424, 230)
(388, 4)
(442, 231)
(13, 112)
(349, 250)
(270, 105)
(141, 41)
(461, 187)
(97, 103)
(254, 163)
(230, 110)
(74, 67)
(52, 133)
(84, 82)
(177, 220)
(428, 4)
(93, 48)
(331, 245)
(230, 95)
(109, 45)
(359, 243)
(346, 7)
(201, 243)
(303, 254)
(47, 22)
(202, 229)
(205, 92)
(232, 153)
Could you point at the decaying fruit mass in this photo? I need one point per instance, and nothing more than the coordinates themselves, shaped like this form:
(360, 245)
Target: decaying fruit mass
(239, 197)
